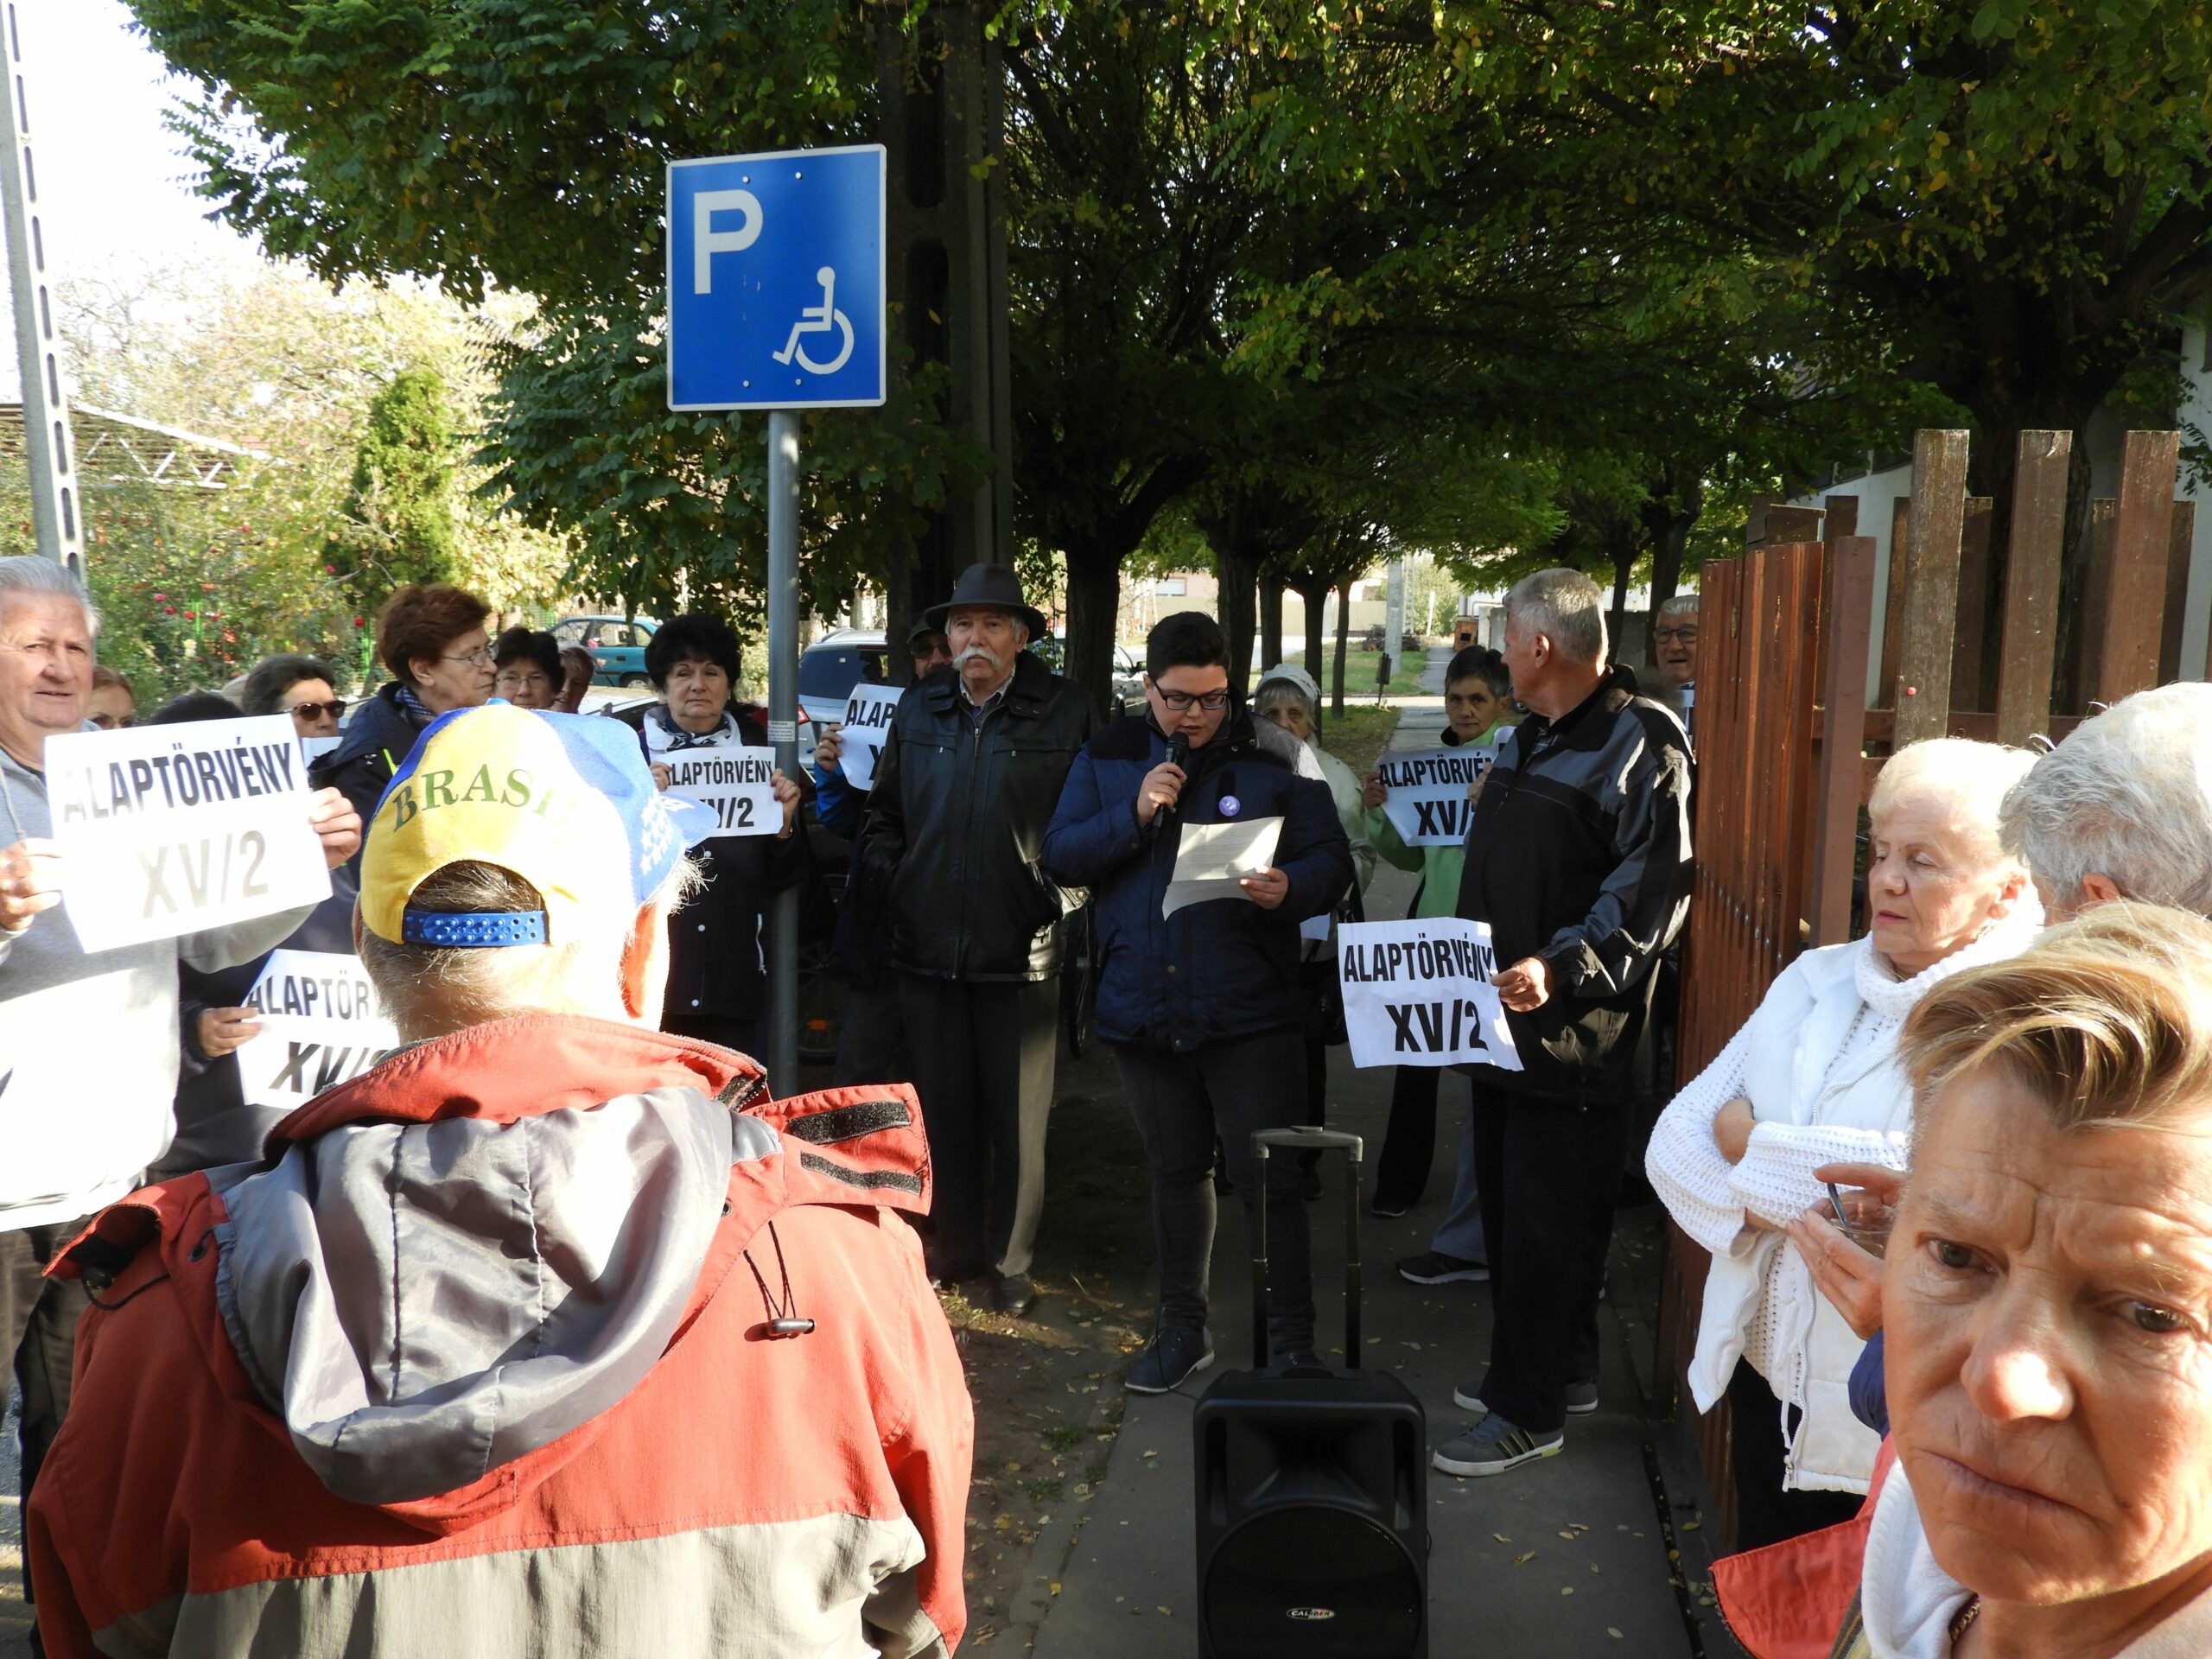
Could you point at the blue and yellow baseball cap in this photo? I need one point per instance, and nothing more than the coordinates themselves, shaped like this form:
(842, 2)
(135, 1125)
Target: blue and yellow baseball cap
(563, 801)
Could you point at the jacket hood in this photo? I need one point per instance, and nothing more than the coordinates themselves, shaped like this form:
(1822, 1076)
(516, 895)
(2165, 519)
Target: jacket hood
(466, 1255)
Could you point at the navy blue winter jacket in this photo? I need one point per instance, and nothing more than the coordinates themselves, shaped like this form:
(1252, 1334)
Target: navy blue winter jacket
(1222, 970)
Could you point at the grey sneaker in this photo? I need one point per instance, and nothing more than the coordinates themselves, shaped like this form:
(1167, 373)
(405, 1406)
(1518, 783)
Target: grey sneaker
(1434, 1268)
(1581, 1400)
(1175, 1354)
(1493, 1446)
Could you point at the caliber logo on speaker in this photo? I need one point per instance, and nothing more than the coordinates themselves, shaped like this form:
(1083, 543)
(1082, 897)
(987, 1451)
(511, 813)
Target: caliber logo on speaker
(1310, 1615)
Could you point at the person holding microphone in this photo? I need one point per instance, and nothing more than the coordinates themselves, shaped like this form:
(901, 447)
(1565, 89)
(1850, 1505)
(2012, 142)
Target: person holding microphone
(1202, 1007)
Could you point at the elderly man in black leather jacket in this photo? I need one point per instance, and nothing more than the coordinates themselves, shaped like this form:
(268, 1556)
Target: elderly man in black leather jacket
(969, 777)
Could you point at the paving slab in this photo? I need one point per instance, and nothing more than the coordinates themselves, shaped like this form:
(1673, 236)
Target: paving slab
(1568, 1556)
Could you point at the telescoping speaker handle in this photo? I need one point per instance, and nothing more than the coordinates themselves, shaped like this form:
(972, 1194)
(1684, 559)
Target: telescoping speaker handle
(1305, 1138)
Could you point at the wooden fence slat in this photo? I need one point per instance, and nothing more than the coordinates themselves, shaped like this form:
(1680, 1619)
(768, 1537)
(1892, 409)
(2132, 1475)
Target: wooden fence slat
(1849, 628)
(1933, 534)
(2031, 630)
(2179, 542)
(1971, 626)
(1885, 692)
(2135, 598)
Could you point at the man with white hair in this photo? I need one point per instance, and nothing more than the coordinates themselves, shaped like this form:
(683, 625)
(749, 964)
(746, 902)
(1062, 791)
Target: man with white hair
(970, 771)
(2123, 808)
(549, 1334)
(1578, 858)
(88, 1043)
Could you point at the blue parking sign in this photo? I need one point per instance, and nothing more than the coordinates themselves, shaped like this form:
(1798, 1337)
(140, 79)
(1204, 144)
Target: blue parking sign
(776, 279)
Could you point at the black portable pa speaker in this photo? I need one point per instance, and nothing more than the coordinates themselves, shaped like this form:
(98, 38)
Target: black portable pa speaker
(1311, 1487)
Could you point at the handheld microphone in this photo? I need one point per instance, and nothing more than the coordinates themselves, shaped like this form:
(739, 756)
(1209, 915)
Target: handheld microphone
(1179, 750)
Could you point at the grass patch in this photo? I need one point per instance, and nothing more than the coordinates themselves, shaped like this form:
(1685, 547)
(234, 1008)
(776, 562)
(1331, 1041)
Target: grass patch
(1359, 672)
(1356, 736)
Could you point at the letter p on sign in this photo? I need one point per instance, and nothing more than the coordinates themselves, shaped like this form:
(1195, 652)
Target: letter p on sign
(707, 241)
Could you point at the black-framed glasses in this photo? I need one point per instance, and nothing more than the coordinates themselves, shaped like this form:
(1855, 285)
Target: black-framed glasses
(334, 707)
(1687, 636)
(1183, 702)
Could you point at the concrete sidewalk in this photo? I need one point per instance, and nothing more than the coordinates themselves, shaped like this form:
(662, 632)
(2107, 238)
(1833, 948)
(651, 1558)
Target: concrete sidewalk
(1568, 1556)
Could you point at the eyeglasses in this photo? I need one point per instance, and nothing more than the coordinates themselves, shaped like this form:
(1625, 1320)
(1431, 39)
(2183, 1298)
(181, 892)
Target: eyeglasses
(1687, 636)
(1182, 701)
(334, 707)
(482, 654)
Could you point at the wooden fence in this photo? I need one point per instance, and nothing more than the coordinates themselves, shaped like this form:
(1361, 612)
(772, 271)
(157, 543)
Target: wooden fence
(1788, 748)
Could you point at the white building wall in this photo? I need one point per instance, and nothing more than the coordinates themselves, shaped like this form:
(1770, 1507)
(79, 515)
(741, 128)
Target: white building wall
(1878, 495)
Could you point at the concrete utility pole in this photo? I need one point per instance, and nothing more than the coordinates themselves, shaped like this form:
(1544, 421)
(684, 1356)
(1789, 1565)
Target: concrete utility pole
(54, 518)
(1394, 606)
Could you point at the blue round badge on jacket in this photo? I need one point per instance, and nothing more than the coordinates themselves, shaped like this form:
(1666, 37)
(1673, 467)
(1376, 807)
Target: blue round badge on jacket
(1231, 806)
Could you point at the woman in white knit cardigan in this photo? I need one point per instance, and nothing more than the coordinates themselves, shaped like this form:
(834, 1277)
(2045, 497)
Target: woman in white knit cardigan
(1812, 1079)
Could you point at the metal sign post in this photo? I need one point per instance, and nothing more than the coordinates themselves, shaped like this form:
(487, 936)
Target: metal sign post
(776, 285)
(54, 519)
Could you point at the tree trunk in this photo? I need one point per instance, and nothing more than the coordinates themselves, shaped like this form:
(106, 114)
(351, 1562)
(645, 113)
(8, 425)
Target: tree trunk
(1271, 589)
(1237, 570)
(1344, 639)
(1621, 548)
(1094, 599)
(1670, 514)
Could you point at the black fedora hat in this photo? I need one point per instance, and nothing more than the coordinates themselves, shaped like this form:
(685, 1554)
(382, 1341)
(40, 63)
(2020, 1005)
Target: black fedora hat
(992, 585)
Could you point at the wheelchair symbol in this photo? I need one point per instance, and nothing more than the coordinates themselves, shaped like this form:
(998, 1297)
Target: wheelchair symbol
(822, 319)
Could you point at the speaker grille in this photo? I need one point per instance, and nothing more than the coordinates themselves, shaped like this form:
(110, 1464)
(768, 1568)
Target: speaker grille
(1306, 1581)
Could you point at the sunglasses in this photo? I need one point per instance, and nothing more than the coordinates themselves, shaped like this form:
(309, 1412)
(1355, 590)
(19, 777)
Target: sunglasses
(334, 707)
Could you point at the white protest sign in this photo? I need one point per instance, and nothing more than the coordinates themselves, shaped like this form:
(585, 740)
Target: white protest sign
(168, 829)
(321, 1025)
(733, 782)
(1418, 992)
(860, 740)
(1212, 859)
(1427, 804)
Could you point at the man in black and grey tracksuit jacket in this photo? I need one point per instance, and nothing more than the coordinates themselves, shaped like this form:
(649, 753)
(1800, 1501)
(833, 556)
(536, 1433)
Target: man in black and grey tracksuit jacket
(1578, 858)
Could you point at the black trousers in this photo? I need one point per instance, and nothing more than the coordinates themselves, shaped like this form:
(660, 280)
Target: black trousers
(1178, 1101)
(1547, 1172)
(1409, 1139)
(743, 1036)
(983, 1057)
(1764, 1513)
(38, 1323)
(871, 1037)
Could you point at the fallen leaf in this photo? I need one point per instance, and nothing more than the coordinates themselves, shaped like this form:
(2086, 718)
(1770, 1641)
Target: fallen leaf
(1530, 1556)
(1566, 1590)
(1692, 1526)
(1501, 1538)
(1615, 1634)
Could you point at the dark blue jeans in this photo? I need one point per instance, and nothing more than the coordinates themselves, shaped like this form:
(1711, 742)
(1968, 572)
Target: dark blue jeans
(1179, 1102)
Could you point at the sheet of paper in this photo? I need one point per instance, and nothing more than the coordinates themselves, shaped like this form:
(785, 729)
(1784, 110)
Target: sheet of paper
(868, 721)
(168, 829)
(733, 782)
(321, 1025)
(1428, 804)
(1418, 992)
(1210, 859)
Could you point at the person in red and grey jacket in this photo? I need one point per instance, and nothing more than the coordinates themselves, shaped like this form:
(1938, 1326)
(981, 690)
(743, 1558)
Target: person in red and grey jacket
(551, 1333)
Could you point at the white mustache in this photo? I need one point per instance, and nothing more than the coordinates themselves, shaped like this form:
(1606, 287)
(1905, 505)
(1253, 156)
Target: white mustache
(977, 654)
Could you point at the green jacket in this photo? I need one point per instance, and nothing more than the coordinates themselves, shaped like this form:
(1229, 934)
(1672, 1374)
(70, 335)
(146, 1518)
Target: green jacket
(1439, 867)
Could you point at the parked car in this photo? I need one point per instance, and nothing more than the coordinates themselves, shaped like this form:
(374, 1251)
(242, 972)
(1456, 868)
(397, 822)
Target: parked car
(1409, 644)
(831, 667)
(617, 644)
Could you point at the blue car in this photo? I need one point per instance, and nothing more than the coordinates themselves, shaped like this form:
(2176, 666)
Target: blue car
(617, 645)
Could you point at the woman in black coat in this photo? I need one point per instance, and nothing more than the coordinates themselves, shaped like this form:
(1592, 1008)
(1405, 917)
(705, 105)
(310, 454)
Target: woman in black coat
(717, 969)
